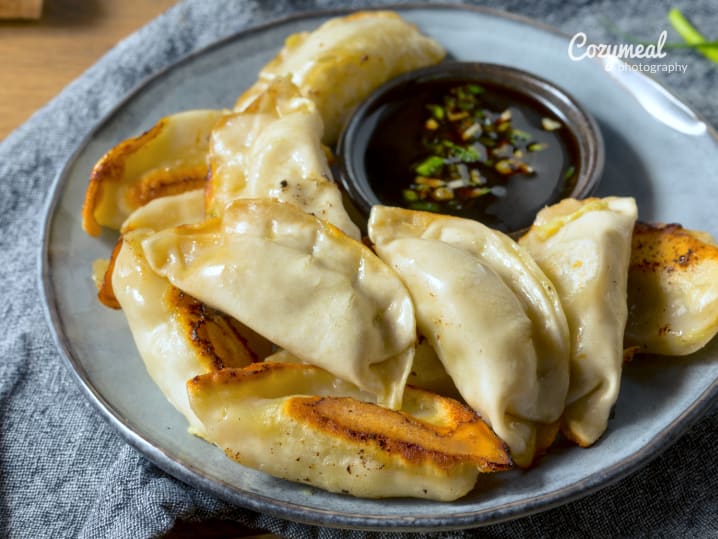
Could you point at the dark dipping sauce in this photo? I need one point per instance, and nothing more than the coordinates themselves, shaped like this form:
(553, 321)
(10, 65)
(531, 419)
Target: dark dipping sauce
(474, 150)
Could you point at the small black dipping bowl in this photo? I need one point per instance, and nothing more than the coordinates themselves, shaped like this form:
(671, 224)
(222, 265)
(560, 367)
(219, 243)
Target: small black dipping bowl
(382, 144)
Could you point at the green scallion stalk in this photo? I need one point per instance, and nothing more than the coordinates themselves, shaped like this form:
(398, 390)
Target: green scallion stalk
(430, 165)
(436, 111)
(691, 35)
(425, 206)
(705, 45)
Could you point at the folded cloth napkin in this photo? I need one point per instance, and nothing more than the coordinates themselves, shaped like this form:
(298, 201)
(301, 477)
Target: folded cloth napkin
(64, 472)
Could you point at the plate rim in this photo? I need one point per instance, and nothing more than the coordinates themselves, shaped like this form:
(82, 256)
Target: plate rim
(186, 472)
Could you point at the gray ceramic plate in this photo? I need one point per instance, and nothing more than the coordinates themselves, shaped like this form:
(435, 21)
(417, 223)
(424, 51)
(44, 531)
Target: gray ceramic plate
(659, 398)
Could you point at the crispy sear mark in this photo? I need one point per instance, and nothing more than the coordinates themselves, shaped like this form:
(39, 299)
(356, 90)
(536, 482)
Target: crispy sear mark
(107, 174)
(168, 159)
(668, 248)
(672, 294)
(457, 434)
(106, 294)
(215, 336)
(465, 439)
(165, 182)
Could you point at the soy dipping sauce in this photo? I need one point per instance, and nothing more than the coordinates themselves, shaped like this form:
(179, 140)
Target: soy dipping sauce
(474, 150)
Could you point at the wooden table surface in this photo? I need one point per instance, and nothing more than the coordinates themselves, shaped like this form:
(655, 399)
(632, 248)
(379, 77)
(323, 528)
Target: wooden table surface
(40, 57)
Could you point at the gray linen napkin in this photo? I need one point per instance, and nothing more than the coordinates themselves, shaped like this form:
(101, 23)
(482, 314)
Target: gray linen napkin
(64, 472)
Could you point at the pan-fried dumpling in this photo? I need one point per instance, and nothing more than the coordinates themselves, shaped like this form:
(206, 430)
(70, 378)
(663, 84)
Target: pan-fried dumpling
(489, 312)
(176, 336)
(344, 60)
(273, 150)
(167, 212)
(584, 247)
(299, 422)
(158, 214)
(672, 290)
(168, 159)
(301, 283)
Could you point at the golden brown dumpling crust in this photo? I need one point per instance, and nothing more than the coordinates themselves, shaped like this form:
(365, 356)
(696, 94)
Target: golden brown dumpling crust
(298, 422)
(672, 290)
(216, 338)
(105, 292)
(168, 159)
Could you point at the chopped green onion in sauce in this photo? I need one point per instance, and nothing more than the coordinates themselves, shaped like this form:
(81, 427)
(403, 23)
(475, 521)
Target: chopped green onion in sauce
(463, 138)
(468, 149)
